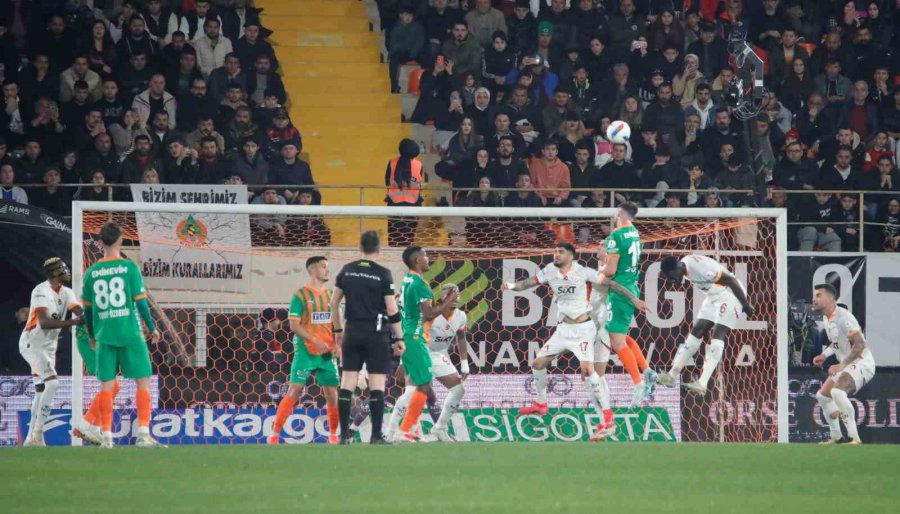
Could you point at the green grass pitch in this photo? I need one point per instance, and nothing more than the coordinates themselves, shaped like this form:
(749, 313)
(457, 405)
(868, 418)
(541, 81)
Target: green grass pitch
(450, 478)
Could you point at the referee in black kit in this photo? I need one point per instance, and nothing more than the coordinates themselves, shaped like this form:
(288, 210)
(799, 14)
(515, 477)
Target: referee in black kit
(371, 313)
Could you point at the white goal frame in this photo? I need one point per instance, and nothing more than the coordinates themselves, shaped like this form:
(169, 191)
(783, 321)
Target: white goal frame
(781, 243)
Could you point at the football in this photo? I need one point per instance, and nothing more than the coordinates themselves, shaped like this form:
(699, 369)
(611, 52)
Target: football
(618, 132)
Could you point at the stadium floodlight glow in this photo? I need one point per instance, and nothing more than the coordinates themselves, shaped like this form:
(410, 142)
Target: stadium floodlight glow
(477, 248)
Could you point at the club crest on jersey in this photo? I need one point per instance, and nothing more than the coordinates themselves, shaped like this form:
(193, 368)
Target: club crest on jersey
(321, 318)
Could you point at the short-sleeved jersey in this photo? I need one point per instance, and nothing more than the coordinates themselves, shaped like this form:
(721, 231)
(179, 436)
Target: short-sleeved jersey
(570, 289)
(365, 283)
(312, 308)
(626, 243)
(56, 304)
(111, 288)
(442, 331)
(839, 327)
(704, 272)
(415, 291)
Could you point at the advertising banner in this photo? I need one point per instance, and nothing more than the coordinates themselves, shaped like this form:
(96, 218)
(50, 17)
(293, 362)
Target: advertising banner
(194, 251)
(876, 406)
(32, 235)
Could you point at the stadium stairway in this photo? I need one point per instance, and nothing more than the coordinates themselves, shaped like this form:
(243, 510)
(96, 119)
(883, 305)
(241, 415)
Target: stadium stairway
(339, 97)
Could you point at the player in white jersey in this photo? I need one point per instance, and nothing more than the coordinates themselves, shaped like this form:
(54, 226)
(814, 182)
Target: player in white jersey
(575, 331)
(718, 314)
(447, 329)
(51, 301)
(855, 367)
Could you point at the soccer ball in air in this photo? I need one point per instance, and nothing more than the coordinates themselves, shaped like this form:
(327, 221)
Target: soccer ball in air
(618, 132)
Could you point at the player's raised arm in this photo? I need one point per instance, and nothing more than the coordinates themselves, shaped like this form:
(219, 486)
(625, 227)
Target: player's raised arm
(430, 310)
(521, 285)
(731, 282)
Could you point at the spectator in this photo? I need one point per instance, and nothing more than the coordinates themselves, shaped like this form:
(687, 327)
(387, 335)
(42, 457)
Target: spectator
(889, 221)
(777, 113)
(39, 79)
(665, 114)
(435, 89)
(159, 132)
(211, 166)
(483, 21)
(150, 176)
(57, 42)
(438, 23)
(8, 189)
(403, 178)
(52, 197)
(139, 160)
(250, 163)
(251, 47)
(784, 55)
(624, 27)
(720, 85)
(407, 42)
(30, 167)
(696, 182)
(583, 174)
(457, 157)
(796, 86)
(225, 76)
(12, 122)
(737, 176)
(848, 213)
(273, 223)
(240, 129)
(888, 178)
(193, 22)
(282, 131)
(102, 157)
(710, 49)
(522, 28)
(822, 211)
(160, 21)
(155, 99)
(110, 105)
(712, 139)
(264, 79)
(290, 171)
(212, 47)
(79, 71)
(264, 113)
(570, 134)
(859, 113)
(137, 41)
(660, 176)
(180, 78)
(180, 163)
(171, 57)
(125, 131)
(507, 166)
(833, 86)
(70, 167)
(877, 149)
(769, 141)
(768, 25)
(813, 123)
(195, 106)
(632, 113)
(97, 191)
(4, 155)
(501, 130)
(842, 175)
(615, 89)
(702, 106)
(524, 196)
(845, 137)
(206, 127)
(881, 88)
(234, 99)
(499, 63)
(484, 196)
(553, 114)
(309, 230)
(685, 84)
(135, 78)
(83, 135)
(480, 112)
(648, 90)
(672, 200)
(619, 174)
(462, 52)
(550, 175)
(795, 171)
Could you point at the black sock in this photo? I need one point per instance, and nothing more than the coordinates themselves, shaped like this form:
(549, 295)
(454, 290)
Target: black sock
(345, 399)
(376, 411)
(431, 402)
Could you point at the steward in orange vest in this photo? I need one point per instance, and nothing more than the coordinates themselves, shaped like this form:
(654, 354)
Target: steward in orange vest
(403, 176)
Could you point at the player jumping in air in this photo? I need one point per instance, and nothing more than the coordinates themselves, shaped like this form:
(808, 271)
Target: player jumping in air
(115, 302)
(51, 300)
(725, 298)
(575, 331)
(855, 368)
(418, 311)
(314, 348)
(623, 264)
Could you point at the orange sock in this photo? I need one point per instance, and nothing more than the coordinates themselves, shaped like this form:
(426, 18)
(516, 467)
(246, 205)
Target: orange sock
(92, 415)
(628, 361)
(116, 388)
(333, 418)
(414, 410)
(638, 354)
(143, 407)
(106, 410)
(285, 407)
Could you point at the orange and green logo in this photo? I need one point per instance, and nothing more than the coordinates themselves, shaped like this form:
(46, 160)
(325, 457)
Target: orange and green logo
(191, 232)
(472, 284)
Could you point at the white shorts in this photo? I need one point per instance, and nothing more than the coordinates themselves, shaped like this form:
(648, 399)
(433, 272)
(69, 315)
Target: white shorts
(722, 309)
(42, 362)
(861, 371)
(575, 338)
(602, 347)
(441, 365)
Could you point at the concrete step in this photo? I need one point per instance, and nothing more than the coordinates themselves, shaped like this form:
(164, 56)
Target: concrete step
(358, 101)
(357, 72)
(342, 8)
(311, 54)
(312, 116)
(318, 23)
(305, 86)
(316, 38)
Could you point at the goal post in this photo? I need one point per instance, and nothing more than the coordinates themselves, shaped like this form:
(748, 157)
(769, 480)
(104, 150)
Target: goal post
(224, 308)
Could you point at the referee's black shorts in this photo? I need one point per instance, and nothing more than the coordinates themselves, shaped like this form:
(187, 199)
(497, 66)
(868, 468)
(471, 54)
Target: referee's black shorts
(365, 345)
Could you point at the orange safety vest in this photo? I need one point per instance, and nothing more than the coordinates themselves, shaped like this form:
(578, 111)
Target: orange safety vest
(396, 194)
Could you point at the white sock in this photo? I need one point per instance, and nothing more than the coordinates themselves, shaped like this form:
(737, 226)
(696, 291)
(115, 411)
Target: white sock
(399, 411)
(46, 403)
(684, 355)
(829, 408)
(848, 414)
(35, 412)
(540, 384)
(451, 405)
(711, 359)
(599, 392)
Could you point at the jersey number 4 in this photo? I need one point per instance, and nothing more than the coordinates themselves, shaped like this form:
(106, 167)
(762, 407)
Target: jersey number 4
(111, 294)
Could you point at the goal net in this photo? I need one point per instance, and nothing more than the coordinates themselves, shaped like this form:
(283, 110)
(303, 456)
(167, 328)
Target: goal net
(220, 278)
